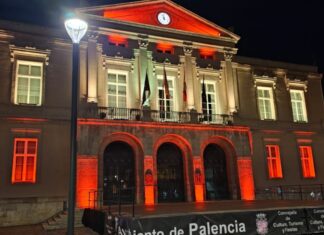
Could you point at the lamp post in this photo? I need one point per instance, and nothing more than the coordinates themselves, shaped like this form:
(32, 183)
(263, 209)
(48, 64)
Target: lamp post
(76, 29)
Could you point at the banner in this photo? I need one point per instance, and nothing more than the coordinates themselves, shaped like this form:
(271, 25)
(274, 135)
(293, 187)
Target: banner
(293, 221)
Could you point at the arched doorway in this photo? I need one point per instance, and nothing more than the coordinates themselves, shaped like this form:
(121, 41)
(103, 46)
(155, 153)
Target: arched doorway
(119, 174)
(216, 179)
(170, 174)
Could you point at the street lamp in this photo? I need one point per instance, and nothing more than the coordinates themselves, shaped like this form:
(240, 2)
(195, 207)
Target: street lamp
(76, 29)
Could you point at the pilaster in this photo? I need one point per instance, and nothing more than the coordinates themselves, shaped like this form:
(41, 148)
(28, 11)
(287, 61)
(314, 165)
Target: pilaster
(229, 80)
(189, 64)
(92, 73)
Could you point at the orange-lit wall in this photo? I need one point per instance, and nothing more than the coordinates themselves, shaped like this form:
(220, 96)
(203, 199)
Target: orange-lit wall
(149, 180)
(199, 180)
(87, 180)
(245, 175)
(148, 15)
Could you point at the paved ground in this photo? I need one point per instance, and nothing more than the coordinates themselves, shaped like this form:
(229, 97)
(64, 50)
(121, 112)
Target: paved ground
(38, 230)
(166, 209)
(173, 209)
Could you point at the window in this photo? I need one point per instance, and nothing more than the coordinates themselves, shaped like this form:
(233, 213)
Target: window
(298, 105)
(24, 160)
(266, 103)
(274, 162)
(209, 106)
(29, 79)
(166, 105)
(306, 157)
(116, 89)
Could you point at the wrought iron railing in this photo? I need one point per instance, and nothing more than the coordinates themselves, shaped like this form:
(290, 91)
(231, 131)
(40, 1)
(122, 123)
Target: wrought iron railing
(292, 192)
(117, 201)
(113, 113)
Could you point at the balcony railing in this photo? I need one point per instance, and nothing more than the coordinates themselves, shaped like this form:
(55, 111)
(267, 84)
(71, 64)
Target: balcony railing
(113, 113)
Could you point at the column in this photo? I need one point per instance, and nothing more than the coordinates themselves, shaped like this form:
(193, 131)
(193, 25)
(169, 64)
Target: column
(102, 76)
(92, 78)
(229, 80)
(189, 65)
(143, 68)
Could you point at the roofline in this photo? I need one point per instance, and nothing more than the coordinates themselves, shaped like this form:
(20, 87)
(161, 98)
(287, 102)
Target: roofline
(268, 63)
(146, 2)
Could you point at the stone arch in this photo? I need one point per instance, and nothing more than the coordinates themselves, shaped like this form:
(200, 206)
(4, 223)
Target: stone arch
(137, 147)
(186, 150)
(228, 147)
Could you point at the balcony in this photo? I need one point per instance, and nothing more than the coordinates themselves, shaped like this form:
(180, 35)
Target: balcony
(147, 115)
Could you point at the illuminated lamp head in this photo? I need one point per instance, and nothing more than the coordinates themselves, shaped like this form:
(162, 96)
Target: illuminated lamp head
(76, 29)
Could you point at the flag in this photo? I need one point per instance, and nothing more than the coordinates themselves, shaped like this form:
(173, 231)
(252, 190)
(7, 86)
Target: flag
(184, 92)
(146, 91)
(165, 84)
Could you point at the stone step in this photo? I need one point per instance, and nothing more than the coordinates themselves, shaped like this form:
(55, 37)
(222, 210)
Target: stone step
(59, 221)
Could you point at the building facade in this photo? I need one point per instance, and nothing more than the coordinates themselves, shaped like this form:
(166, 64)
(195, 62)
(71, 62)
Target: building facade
(167, 113)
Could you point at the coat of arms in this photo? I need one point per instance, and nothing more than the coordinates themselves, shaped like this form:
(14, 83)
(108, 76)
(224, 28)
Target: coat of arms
(261, 224)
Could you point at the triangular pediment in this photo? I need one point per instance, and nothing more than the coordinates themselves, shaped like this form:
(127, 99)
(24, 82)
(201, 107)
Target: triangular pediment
(146, 13)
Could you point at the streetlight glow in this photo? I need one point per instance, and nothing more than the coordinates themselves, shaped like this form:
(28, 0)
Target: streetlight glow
(76, 29)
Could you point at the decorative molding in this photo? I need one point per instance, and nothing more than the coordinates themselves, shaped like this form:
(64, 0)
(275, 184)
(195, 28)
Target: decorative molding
(265, 81)
(210, 72)
(228, 54)
(5, 35)
(92, 36)
(296, 84)
(117, 61)
(16, 52)
(143, 43)
(187, 49)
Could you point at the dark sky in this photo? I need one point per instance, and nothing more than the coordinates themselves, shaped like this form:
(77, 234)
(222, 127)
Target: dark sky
(291, 31)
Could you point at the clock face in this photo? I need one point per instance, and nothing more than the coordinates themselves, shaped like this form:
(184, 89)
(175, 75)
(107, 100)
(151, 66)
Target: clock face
(164, 18)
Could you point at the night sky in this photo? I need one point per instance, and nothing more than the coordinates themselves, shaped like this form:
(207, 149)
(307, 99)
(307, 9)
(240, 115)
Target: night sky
(291, 31)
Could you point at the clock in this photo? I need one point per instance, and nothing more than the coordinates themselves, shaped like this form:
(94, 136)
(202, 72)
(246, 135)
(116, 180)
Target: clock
(164, 18)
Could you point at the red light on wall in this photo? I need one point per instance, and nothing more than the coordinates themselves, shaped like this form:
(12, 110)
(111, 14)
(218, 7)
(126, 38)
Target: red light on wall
(165, 48)
(199, 180)
(117, 40)
(149, 180)
(87, 181)
(149, 195)
(207, 53)
(245, 174)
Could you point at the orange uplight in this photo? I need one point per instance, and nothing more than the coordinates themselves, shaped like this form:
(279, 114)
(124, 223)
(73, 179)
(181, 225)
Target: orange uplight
(207, 53)
(198, 179)
(149, 195)
(117, 40)
(246, 178)
(165, 48)
(87, 181)
(149, 180)
(199, 193)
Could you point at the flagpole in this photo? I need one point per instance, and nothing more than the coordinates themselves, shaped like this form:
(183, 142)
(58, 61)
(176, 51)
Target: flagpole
(139, 81)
